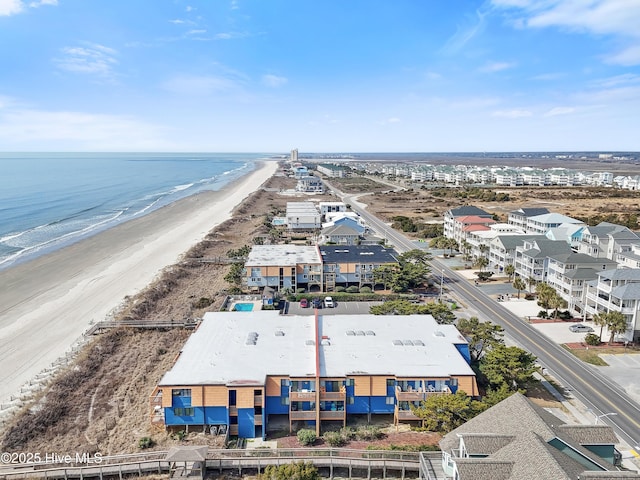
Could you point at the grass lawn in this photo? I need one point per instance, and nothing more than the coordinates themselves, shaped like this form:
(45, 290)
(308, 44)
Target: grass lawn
(591, 355)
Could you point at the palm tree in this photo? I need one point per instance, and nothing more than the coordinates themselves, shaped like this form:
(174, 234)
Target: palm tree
(616, 323)
(481, 262)
(531, 282)
(601, 320)
(519, 285)
(510, 270)
(556, 302)
(466, 249)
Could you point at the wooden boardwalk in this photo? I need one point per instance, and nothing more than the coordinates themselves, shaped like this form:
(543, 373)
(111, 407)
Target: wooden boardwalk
(360, 463)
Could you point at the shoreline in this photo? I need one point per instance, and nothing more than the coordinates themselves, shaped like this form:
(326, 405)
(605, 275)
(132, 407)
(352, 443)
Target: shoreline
(49, 302)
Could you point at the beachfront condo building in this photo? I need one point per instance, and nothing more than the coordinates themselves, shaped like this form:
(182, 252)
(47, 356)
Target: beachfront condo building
(283, 267)
(314, 268)
(354, 265)
(247, 373)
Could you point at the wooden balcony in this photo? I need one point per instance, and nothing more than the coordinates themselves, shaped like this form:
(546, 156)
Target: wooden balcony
(233, 411)
(332, 415)
(302, 414)
(406, 415)
(257, 419)
(233, 429)
(410, 396)
(340, 396)
(302, 396)
(257, 400)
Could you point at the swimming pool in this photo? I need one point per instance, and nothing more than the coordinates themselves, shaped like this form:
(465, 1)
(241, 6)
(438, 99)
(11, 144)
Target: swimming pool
(243, 307)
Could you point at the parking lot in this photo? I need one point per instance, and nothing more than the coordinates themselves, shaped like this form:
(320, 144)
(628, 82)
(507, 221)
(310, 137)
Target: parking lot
(340, 308)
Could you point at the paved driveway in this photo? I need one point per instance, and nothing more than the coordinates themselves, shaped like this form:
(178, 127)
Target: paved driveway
(341, 308)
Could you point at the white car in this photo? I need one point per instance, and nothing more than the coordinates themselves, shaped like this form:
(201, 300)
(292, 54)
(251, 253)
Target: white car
(328, 302)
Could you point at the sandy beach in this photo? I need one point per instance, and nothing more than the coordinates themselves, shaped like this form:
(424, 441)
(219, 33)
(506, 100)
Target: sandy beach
(48, 303)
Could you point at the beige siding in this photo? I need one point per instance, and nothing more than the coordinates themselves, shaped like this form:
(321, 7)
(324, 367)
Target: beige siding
(362, 387)
(216, 396)
(468, 384)
(244, 397)
(273, 386)
(379, 386)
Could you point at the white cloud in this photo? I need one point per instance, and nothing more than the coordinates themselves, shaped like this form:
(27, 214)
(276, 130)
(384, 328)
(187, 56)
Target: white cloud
(273, 81)
(465, 34)
(496, 67)
(234, 5)
(196, 32)
(512, 113)
(559, 111)
(12, 7)
(618, 80)
(91, 59)
(618, 18)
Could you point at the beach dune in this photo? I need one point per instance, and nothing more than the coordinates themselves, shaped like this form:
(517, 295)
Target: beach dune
(48, 303)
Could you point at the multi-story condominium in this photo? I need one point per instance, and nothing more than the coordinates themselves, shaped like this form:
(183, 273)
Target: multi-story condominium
(532, 258)
(451, 215)
(283, 266)
(536, 176)
(331, 207)
(239, 371)
(567, 232)
(518, 218)
(509, 177)
(542, 223)
(629, 257)
(331, 170)
(569, 272)
(300, 171)
(294, 155)
(310, 184)
(502, 249)
(302, 216)
(353, 265)
(606, 240)
(463, 227)
(616, 291)
(517, 439)
(479, 239)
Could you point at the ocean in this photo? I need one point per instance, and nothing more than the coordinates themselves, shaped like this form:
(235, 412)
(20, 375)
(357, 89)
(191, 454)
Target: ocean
(50, 200)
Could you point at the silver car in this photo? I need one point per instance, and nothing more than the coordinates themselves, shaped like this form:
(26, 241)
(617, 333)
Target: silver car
(581, 327)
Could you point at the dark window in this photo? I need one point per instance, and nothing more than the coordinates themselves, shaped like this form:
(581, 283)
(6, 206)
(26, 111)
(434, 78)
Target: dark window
(391, 382)
(181, 392)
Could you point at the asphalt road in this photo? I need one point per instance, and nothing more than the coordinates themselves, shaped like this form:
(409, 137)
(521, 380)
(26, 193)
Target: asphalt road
(594, 390)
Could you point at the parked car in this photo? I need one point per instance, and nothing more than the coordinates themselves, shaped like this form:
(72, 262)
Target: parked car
(304, 303)
(581, 327)
(328, 302)
(317, 303)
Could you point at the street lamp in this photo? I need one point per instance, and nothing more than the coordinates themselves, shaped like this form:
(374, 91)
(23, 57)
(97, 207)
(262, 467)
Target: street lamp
(598, 417)
(441, 284)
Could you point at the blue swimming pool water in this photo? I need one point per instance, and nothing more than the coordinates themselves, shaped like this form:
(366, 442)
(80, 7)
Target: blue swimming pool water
(243, 307)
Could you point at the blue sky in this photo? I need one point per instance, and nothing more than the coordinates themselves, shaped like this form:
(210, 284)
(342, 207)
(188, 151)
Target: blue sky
(322, 76)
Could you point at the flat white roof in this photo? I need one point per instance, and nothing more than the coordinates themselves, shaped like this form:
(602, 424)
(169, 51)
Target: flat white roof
(282, 255)
(301, 208)
(246, 347)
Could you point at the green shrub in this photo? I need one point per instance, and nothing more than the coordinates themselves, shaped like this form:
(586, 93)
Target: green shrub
(352, 289)
(340, 289)
(306, 437)
(592, 339)
(204, 302)
(298, 471)
(369, 432)
(365, 290)
(543, 314)
(146, 442)
(300, 290)
(335, 439)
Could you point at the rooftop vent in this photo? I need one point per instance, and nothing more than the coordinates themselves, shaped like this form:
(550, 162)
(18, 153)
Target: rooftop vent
(325, 342)
(438, 333)
(279, 333)
(397, 342)
(360, 333)
(419, 343)
(310, 342)
(370, 333)
(407, 342)
(350, 333)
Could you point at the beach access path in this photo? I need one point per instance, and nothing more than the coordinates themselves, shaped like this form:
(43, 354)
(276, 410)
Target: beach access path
(48, 303)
